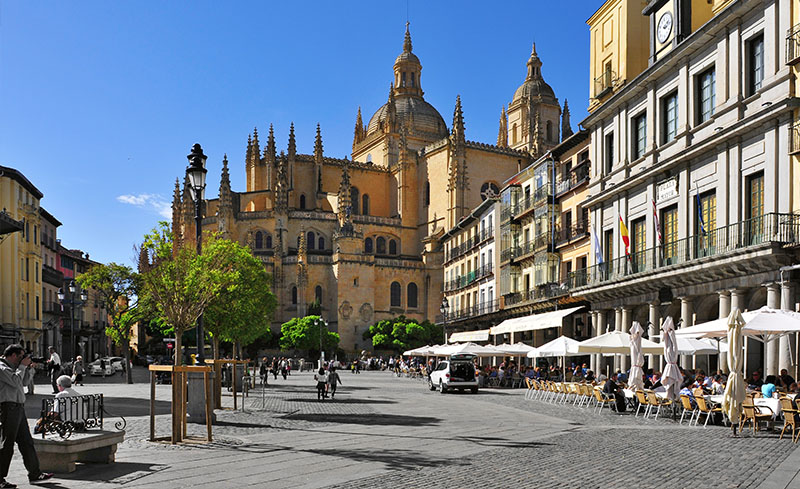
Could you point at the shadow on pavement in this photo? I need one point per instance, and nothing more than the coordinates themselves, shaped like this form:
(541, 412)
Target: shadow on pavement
(116, 473)
(341, 400)
(366, 419)
(396, 459)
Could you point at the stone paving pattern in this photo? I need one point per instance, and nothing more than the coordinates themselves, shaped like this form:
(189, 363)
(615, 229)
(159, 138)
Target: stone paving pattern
(384, 431)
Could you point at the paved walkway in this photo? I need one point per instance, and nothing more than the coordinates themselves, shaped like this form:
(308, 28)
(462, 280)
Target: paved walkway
(383, 431)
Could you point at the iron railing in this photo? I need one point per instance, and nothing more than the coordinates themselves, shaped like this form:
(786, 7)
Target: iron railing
(576, 177)
(469, 244)
(576, 230)
(794, 137)
(769, 228)
(468, 278)
(793, 45)
(604, 83)
(486, 307)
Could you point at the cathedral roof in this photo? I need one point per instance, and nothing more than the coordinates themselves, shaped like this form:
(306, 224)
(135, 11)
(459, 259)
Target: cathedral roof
(413, 113)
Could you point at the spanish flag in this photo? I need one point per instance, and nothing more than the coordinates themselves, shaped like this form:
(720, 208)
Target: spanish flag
(623, 230)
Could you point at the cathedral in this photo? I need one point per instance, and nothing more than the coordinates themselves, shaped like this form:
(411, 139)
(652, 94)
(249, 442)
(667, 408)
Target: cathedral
(361, 236)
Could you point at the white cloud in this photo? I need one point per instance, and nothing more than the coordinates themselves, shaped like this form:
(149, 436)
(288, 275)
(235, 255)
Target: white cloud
(153, 202)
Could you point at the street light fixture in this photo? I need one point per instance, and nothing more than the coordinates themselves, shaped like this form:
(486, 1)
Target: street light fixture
(84, 297)
(444, 308)
(196, 172)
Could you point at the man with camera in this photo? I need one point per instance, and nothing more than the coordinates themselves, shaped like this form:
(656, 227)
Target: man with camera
(54, 368)
(15, 372)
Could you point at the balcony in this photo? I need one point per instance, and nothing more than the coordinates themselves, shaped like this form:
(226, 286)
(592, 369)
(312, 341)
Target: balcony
(773, 228)
(469, 278)
(604, 83)
(510, 253)
(578, 176)
(49, 307)
(469, 244)
(52, 276)
(794, 138)
(544, 292)
(793, 45)
(470, 312)
(577, 230)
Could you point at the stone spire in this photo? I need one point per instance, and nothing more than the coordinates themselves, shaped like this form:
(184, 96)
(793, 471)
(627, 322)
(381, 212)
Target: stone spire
(256, 150)
(407, 39)
(292, 150)
(407, 70)
(566, 127)
(344, 204)
(187, 213)
(502, 134)
(391, 112)
(318, 159)
(269, 150)
(225, 211)
(534, 66)
(360, 131)
(458, 122)
(282, 186)
(176, 212)
(458, 182)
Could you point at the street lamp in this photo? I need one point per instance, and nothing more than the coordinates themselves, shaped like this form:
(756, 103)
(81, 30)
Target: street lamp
(73, 303)
(196, 172)
(321, 323)
(443, 309)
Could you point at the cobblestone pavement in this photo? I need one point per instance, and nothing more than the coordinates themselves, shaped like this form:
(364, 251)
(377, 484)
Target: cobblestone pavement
(383, 431)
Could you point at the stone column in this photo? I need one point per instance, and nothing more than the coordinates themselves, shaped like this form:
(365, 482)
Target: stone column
(687, 314)
(593, 358)
(618, 359)
(771, 348)
(601, 329)
(625, 326)
(654, 330)
(785, 354)
(724, 312)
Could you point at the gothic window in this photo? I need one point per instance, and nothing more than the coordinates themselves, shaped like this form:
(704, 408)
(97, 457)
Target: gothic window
(413, 79)
(365, 204)
(412, 296)
(427, 193)
(381, 245)
(514, 133)
(318, 294)
(302, 201)
(354, 200)
(269, 242)
(321, 243)
(298, 242)
(392, 247)
(294, 295)
(368, 245)
(489, 190)
(395, 292)
(310, 240)
(259, 240)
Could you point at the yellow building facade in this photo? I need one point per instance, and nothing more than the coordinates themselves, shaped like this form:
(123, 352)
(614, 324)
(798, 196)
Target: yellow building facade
(20, 261)
(362, 236)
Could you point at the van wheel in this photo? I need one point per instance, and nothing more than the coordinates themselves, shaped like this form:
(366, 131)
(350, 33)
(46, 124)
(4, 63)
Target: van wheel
(430, 385)
(442, 388)
(474, 390)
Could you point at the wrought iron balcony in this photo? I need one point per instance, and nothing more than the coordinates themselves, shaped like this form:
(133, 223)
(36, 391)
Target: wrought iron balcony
(793, 45)
(782, 229)
(794, 137)
(577, 230)
(604, 83)
(576, 177)
(469, 278)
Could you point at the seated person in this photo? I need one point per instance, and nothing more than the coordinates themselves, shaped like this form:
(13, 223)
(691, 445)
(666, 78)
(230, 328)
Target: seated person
(768, 388)
(755, 380)
(793, 388)
(622, 376)
(648, 384)
(717, 387)
(589, 377)
(688, 391)
(72, 411)
(611, 389)
(699, 383)
(785, 379)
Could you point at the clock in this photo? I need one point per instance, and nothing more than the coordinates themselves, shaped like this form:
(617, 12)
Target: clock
(664, 27)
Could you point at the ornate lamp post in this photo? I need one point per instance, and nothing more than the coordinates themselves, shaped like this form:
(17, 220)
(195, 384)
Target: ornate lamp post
(444, 308)
(73, 303)
(196, 171)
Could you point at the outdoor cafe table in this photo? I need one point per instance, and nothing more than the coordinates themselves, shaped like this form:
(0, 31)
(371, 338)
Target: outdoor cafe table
(771, 403)
(660, 392)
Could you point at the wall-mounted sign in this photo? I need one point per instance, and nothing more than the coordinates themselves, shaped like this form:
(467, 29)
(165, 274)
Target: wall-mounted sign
(667, 189)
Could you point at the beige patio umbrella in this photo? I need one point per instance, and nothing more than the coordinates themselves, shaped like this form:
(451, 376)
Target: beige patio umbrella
(734, 390)
(637, 359)
(672, 378)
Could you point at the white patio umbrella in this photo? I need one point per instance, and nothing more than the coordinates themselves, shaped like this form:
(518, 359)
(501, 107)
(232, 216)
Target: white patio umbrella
(694, 346)
(416, 351)
(516, 349)
(734, 390)
(671, 378)
(764, 323)
(562, 346)
(637, 359)
(466, 348)
(617, 342)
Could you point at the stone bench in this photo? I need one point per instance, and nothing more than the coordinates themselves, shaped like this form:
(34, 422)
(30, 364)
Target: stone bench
(60, 455)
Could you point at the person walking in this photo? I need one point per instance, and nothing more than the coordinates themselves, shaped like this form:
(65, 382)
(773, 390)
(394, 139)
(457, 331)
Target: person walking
(275, 368)
(284, 367)
(54, 368)
(15, 370)
(322, 379)
(263, 371)
(78, 371)
(333, 379)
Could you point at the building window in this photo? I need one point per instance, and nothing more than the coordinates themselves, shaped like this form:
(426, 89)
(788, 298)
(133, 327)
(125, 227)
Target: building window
(269, 242)
(706, 220)
(259, 240)
(514, 137)
(368, 245)
(381, 245)
(669, 112)
(609, 152)
(318, 294)
(755, 64)
(310, 240)
(27, 269)
(321, 243)
(294, 295)
(354, 199)
(427, 193)
(395, 292)
(549, 130)
(35, 234)
(302, 201)
(36, 271)
(608, 240)
(669, 221)
(706, 92)
(37, 307)
(392, 247)
(412, 295)
(638, 244)
(365, 204)
(755, 192)
(639, 138)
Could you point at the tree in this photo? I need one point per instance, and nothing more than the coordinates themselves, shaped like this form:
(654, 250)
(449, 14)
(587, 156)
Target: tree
(179, 283)
(242, 312)
(304, 334)
(117, 287)
(401, 334)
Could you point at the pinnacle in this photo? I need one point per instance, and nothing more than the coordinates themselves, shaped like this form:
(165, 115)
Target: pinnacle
(407, 40)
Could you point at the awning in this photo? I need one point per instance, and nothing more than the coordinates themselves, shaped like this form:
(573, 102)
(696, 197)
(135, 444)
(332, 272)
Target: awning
(533, 322)
(467, 336)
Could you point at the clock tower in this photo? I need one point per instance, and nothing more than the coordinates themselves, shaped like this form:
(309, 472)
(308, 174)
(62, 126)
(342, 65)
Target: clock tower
(670, 24)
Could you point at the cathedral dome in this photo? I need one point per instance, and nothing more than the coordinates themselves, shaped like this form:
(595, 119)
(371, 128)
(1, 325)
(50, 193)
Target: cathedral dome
(413, 113)
(534, 85)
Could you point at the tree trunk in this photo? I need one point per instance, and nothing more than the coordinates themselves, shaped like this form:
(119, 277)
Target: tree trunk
(128, 373)
(237, 350)
(216, 347)
(217, 375)
(178, 355)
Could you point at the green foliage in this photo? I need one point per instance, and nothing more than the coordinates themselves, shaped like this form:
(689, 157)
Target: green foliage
(304, 334)
(242, 312)
(401, 334)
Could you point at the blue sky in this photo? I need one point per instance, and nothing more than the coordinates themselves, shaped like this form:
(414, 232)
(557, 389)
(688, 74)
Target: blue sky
(101, 101)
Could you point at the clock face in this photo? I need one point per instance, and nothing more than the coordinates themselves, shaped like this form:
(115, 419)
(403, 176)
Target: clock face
(664, 27)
